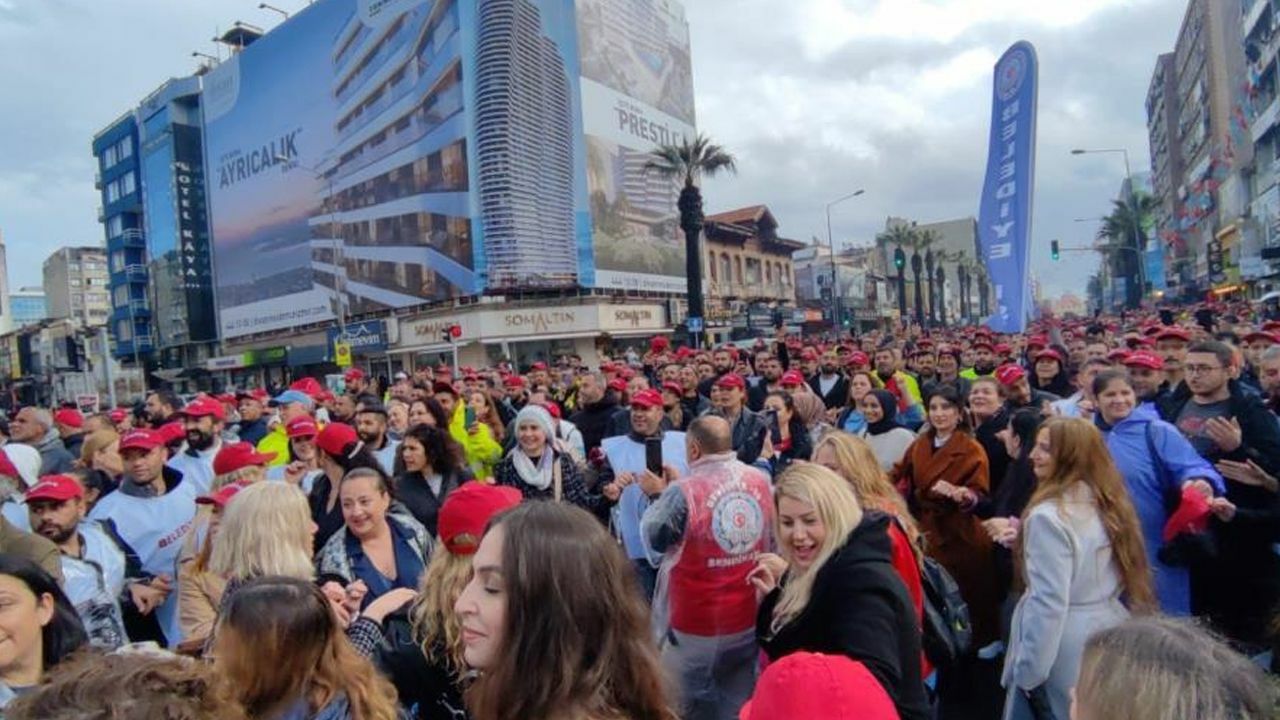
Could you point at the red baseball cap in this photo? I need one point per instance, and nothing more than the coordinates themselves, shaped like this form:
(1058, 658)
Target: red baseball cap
(792, 377)
(236, 456)
(1009, 374)
(857, 357)
(69, 417)
(441, 386)
(812, 685)
(308, 386)
(142, 439)
(118, 415)
(466, 513)
(513, 381)
(204, 407)
(1271, 326)
(538, 366)
(55, 487)
(1002, 348)
(226, 398)
(647, 399)
(1173, 333)
(552, 408)
(1049, 353)
(171, 432)
(982, 343)
(1257, 335)
(1037, 341)
(673, 388)
(658, 343)
(335, 437)
(301, 426)
(256, 394)
(1143, 359)
(1118, 354)
(221, 496)
(731, 380)
(809, 354)
(353, 374)
(618, 384)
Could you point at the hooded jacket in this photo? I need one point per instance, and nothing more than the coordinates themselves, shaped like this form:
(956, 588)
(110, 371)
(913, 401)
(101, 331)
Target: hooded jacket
(54, 457)
(859, 608)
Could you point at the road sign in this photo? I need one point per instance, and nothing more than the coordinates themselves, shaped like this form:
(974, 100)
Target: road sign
(694, 324)
(342, 354)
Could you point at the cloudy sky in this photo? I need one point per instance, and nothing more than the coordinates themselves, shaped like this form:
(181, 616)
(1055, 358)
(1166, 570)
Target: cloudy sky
(817, 98)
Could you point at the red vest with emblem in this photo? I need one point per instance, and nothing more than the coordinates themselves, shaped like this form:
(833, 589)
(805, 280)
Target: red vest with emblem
(729, 524)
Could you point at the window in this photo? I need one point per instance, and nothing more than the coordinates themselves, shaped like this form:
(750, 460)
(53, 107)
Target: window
(124, 332)
(711, 266)
(737, 269)
(128, 183)
(121, 296)
(126, 147)
(75, 282)
(724, 268)
(115, 226)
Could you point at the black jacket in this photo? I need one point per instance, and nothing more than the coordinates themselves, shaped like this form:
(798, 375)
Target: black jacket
(997, 456)
(593, 420)
(427, 688)
(412, 489)
(858, 608)
(839, 394)
(757, 393)
(749, 431)
(1261, 433)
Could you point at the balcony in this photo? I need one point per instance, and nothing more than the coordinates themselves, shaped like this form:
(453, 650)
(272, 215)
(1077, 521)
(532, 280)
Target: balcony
(136, 273)
(1265, 118)
(139, 308)
(133, 238)
(97, 181)
(102, 216)
(1254, 11)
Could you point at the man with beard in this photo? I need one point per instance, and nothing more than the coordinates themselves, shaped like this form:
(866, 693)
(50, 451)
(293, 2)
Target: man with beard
(694, 403)
(344, 409)
(596, 406)
(162, 407)
(1146, 375)
(203, 419)
(253, 423)
(984, 360)
(926, 363)
(153, 512)
(770, 369)
(1018, 392)
(829, 384)
(947, 372)
(356, 382)
(722, 361)
(620, 475)
(902, 385)
(1171, 346)
(97, 566)
(371, 426)
(517, 396)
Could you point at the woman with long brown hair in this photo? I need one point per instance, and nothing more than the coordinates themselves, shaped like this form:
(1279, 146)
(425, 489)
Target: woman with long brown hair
(587, 655)
(486, 413)
(1084, 564)
(281, 648)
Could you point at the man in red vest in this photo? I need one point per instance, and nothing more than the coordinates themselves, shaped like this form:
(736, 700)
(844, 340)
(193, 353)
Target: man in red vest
(711, 525)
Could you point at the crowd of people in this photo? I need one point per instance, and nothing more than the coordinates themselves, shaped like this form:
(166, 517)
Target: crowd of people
(1079, 521)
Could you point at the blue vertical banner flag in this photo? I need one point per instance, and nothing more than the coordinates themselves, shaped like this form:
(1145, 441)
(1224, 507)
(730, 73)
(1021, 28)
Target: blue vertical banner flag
(1004, 215)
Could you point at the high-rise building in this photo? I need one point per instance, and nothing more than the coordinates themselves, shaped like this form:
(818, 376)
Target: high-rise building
(28, 306)
(1201, 148)
(157, 233)
(75, 284)
(524, 139)
(1261, 29)
(7, 322)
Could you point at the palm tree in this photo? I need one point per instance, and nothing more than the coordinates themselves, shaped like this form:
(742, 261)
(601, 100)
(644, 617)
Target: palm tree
(691, 160)
(1124, 237)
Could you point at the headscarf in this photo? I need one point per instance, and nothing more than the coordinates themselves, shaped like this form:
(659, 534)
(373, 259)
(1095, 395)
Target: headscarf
(809, 408)
(889, 405)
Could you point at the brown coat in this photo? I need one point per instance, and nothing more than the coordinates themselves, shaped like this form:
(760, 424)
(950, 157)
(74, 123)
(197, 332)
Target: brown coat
(954, 537)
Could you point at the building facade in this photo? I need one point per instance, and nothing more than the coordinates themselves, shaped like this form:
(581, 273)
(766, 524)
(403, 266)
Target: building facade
(116, 150)
(27, 305)
(1261, 238)
(749, 277)
(75, 285)
(1201, 150)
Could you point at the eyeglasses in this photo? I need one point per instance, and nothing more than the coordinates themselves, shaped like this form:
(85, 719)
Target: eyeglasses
(1202, 369)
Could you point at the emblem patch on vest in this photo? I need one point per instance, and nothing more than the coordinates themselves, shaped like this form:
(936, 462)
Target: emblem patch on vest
(737, 522)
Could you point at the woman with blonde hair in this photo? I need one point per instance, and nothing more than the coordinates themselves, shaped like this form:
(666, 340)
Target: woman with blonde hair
(834, 590)
(1084, 564)
(267, 531)
(425, 659)
(103, 467)
(283, 652)
(1159, 668)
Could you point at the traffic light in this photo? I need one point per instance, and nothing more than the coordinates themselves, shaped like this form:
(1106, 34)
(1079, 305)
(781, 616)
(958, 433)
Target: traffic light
(899, 259)
(1053, 249)
(451, 333)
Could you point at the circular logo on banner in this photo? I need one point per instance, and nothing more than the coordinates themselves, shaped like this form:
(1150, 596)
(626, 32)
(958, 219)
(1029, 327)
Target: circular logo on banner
(737, 522)
(1010, 74)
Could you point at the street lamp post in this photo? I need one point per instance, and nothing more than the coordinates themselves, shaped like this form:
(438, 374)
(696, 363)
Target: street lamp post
(900, 262)
(940, 286)
(962, 275)
(831, 244)
(933, 290)
(1131, 198)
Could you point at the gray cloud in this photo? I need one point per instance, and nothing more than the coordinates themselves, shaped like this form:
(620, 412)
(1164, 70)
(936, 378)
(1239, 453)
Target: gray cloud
(808, 125)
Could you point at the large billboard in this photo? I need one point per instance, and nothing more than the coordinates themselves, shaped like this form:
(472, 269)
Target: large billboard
(378, 154)
(637, 93)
